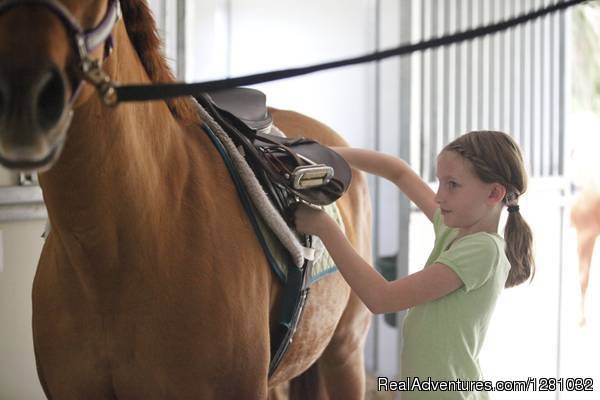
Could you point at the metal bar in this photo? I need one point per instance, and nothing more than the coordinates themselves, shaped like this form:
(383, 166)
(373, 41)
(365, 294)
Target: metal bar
(536, 91)
(484, 78)
(434, 82)
(453, 54)
(471, 73)
(534, 68)
(562, 85)
(480, 92)
(181, 27)
(377, 129)
(554, 91)
(543, 97)
(446, 73)
(22, 212)
(162, 19)
(443, 102)
(405, 88)
(503, 71)
(424, 133)
(494, 83)
(515, 52)
(458, 75)
(439, 81)
(559, 300)
(13, 195)
(525, 93)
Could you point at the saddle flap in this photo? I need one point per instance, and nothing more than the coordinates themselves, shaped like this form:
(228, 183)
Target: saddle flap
(323, 176)
(246, 104)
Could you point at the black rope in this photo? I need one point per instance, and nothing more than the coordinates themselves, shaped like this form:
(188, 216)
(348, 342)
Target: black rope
(169, 90)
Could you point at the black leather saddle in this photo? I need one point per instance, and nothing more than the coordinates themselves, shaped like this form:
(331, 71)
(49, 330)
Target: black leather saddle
(287, 168)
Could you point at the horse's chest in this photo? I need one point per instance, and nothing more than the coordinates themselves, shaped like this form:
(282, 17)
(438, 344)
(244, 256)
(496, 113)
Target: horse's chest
(85, 353)
(159, 326)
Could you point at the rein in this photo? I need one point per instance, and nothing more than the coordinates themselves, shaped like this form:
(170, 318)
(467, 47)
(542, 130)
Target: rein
(112, 94)
(128, 93)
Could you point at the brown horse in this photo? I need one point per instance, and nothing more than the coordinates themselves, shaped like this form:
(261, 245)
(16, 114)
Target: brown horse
(152, 284)
(585, 217)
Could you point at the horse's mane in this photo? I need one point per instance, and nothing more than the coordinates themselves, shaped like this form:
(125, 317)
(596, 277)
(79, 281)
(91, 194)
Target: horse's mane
(141, 28)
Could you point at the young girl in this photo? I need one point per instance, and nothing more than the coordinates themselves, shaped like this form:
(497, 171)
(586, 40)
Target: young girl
(451, 300)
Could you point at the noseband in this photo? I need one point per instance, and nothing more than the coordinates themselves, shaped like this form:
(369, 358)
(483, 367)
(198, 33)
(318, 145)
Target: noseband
(84, 42)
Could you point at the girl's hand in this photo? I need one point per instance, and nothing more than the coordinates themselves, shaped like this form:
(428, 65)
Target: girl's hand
(310, 221)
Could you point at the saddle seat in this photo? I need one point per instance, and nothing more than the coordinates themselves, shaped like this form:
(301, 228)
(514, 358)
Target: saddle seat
(248, 105)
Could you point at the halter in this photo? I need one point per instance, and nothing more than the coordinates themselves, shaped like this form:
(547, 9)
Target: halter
(85, 42)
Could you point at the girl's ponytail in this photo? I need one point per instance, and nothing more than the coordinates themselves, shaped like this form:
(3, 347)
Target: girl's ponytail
(519, 247)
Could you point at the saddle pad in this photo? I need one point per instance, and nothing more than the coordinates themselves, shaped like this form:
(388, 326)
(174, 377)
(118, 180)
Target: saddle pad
(323, 264)
(259, 198)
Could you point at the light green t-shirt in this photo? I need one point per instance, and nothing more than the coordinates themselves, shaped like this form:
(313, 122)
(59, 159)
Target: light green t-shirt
(443, 338)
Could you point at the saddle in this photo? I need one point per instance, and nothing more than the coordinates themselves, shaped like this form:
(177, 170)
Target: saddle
(288, 169)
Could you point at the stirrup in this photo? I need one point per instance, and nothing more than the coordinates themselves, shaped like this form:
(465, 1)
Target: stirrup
(310, 176)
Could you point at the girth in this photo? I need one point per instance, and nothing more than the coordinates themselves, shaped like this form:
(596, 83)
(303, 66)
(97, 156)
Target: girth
(295, 289)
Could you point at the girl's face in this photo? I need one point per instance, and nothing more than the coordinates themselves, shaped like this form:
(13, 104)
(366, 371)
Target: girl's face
(465, 201)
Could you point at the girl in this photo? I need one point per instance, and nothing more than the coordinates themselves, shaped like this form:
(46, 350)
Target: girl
(451, 300)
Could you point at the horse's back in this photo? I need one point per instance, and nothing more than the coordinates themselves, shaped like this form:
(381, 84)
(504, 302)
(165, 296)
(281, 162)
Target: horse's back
(294, 124)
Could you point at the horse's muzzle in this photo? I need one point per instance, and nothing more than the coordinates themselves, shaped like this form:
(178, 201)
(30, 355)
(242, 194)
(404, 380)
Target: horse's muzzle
(34, 117)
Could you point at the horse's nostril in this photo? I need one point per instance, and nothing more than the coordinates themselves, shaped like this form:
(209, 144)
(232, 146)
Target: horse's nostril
(3, 99)
(51, 99)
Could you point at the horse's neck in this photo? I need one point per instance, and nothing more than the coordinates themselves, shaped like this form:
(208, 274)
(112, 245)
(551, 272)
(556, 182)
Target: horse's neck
(111, 178)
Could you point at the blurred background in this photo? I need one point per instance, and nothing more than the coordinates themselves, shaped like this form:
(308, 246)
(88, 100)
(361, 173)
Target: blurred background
(540, 82)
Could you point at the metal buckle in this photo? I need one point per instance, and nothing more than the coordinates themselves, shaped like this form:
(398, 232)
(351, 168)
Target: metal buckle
(307, 177)
(94, 74)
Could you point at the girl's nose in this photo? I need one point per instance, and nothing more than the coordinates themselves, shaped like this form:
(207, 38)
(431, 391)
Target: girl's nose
(438, 196)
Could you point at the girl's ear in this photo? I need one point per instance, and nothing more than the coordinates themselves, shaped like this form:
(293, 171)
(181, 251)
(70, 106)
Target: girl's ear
(497, 193)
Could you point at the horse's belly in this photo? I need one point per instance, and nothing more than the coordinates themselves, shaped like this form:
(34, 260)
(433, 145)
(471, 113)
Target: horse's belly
(325, 305)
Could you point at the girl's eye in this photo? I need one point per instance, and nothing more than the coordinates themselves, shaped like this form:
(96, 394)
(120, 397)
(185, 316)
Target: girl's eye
(452, 184)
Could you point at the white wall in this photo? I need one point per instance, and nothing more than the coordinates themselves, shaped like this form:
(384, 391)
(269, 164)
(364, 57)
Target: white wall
(266, 35)
(21, 243)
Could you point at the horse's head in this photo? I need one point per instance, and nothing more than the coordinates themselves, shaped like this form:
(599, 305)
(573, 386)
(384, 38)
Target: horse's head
(44, 47)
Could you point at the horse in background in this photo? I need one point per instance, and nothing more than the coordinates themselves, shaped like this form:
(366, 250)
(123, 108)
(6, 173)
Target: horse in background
(585, 218)
(151, 283)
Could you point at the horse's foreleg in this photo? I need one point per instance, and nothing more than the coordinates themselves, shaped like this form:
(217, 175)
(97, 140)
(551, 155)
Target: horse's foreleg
(342, 364)
(586, 239)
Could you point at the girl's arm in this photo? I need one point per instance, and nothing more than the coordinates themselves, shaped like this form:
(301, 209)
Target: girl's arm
(395, 170)
(379, 295)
